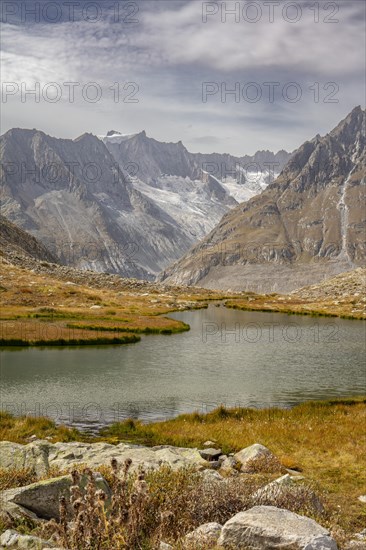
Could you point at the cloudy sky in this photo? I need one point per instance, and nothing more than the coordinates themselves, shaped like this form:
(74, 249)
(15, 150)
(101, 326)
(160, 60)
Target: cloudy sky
(294, 69)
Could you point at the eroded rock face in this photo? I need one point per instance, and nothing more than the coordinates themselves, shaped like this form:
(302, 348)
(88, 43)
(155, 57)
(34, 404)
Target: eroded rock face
(271, 528)
(99, 221)
(33, 456)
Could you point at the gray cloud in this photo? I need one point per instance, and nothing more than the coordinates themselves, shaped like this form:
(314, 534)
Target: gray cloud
(170, 53)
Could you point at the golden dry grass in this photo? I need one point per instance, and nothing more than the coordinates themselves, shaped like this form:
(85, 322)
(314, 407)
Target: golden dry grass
(20, 429)
(326, 441)
(294, 305)
(39, 309)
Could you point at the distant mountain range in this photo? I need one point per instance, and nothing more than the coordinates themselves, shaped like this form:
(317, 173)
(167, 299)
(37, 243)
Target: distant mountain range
(122, 204)
(308, 224)
(152, 161)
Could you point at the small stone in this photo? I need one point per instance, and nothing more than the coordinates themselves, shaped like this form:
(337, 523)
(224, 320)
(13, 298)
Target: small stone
(209, 443)
(362, 498)
(210, 454)
(211, 476)
(206, 534)
(13, 539)
(229, 465)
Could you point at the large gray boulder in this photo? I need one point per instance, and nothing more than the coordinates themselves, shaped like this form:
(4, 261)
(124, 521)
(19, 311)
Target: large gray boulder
(253, 452)
(271, 528)
(42, 455)
(274, 492)
(43, 497)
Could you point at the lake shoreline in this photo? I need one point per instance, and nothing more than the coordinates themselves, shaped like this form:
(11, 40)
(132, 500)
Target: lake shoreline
(321, 440)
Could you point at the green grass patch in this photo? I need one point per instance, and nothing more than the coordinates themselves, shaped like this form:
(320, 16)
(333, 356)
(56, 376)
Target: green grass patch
(128, 339)
(182, 327)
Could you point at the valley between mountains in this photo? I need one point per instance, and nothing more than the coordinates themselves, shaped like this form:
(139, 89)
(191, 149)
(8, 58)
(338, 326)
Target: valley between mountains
(305, 229)
(95, 263)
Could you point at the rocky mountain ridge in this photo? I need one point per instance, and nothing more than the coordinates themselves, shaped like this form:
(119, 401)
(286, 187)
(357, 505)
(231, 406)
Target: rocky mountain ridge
(152, 162)
(307, 225)
(83, 200)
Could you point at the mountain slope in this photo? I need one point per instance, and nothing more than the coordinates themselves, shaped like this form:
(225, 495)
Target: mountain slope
(71, 195)
(312, 216)
(78, 201)
(14, 240)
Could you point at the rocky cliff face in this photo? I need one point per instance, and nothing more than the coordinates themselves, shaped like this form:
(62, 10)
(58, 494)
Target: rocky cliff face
(151, 158)
(308, 224)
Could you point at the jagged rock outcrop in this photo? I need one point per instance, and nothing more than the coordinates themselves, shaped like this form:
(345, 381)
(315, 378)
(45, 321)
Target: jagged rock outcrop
(309, 224)
(42, 498)
(149, 158)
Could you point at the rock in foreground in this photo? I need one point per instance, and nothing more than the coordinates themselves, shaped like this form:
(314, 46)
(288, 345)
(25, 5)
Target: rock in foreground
(254, 452)
(270, 528)
(42, 455)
